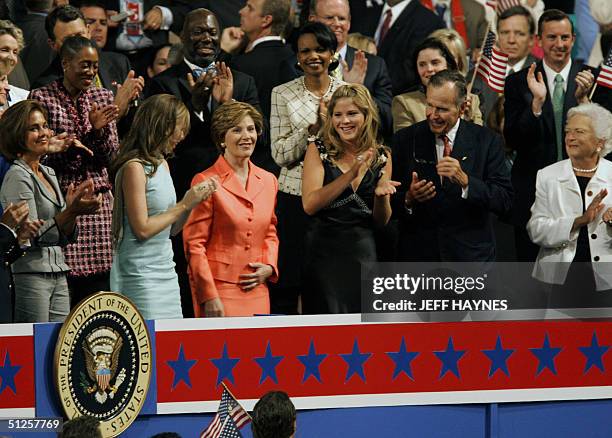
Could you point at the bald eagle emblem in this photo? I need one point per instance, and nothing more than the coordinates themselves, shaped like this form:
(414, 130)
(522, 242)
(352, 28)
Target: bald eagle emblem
(102, 348)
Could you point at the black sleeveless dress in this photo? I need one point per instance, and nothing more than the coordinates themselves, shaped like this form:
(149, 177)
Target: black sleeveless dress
(340, 238)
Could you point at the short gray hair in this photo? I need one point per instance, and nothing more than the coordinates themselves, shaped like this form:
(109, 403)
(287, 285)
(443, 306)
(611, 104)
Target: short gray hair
(601, 119)
(444, 77)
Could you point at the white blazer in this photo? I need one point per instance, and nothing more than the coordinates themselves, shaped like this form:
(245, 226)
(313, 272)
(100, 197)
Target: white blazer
(558, 202)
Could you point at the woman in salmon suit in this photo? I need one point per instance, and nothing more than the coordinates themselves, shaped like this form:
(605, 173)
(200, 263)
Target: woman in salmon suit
(230, 239)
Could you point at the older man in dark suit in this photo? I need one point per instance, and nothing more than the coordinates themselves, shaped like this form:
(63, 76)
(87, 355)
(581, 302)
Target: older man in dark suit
(202, 85)
(355, 66)
(452, 175)
(536, 104)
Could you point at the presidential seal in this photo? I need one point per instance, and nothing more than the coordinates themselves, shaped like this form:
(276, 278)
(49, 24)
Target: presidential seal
(103, 362)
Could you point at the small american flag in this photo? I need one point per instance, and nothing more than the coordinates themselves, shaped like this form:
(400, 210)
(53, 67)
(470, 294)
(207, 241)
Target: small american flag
(605, 75)
(501, 5)
(229, 419)
(492, 66)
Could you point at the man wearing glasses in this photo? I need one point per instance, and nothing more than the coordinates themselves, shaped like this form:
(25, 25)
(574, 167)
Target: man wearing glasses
(453, 175)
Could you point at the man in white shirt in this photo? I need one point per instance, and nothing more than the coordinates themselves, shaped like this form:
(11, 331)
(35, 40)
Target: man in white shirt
(537, 101)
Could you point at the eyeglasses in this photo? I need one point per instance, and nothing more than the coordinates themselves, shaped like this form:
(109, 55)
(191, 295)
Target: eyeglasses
(419, 160)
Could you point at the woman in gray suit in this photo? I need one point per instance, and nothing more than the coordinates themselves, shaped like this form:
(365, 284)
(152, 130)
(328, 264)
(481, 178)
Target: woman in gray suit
(41, 291)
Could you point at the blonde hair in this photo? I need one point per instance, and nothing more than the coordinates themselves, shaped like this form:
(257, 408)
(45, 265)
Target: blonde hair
(456, 45)
(360, 42)
(229, 115)
(368, 133)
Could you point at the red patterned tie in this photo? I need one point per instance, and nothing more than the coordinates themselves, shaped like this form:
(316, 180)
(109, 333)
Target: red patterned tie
(447, 146)
(385, 27)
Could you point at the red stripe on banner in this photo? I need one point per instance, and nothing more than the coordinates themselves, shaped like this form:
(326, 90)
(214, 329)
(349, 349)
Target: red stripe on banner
(17, 372)
(526, 338)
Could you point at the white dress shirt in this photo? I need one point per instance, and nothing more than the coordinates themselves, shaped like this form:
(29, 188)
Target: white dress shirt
(264, 39)
(550, 76)
(451, 135)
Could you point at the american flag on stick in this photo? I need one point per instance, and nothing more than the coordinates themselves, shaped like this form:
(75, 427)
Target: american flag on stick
(605, 74)
(230, 418)
(492, 65)
(501, 5)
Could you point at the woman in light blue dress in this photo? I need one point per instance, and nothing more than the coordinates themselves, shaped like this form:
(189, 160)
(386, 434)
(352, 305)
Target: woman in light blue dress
(145, 211)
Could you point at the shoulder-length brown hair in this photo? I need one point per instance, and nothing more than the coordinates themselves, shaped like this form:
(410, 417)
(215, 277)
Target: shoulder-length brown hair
(368, 134)
(149, 137)
(229, 115)
(14, 126)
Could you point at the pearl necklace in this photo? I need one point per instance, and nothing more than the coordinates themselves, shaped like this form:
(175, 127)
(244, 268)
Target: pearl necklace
(312, 94)
(576, 169)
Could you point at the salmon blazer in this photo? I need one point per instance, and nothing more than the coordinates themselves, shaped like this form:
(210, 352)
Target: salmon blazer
(232, 228)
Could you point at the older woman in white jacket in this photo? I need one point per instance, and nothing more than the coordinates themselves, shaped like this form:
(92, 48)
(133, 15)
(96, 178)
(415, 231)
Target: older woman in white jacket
(571, 219)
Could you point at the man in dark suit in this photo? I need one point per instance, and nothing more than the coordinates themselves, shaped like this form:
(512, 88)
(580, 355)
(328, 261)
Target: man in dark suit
(202, 85)
(355, 66)
(401, 26)
(467, 17)
(516, 33)
(536, 103)
(200, 37)
(113, 68)
(452, 175)
(36, 54)
(259, 50)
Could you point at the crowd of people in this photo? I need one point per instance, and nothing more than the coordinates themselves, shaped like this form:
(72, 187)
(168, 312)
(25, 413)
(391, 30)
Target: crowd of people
(296, 157)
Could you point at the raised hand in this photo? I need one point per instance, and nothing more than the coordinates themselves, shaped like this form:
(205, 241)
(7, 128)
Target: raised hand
(101, 116)
(357, 74)
(584, 82)
(28, 230)
(537, 86)
(419, 190)
(63, 141)
(231, 39)
(362, 163)
(386, 187)
(223, 83)
(15, 214)
(450, 168)
(81, 200)
(607, 216)
(109, 14)
(261, 274)
(128, 92)
(590, 214)
(153, 19)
